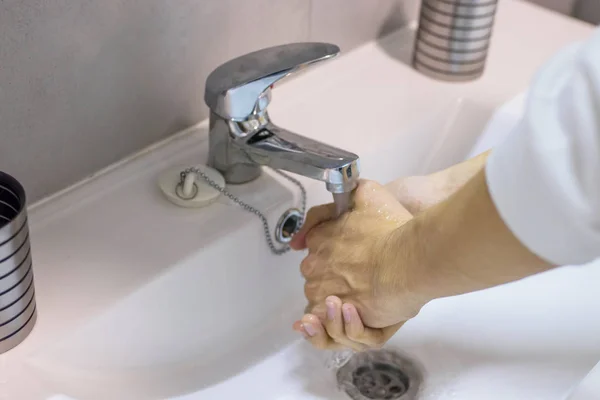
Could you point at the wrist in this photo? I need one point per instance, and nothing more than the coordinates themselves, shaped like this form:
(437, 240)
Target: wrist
(435, 253)
(404, 263)
(440, 273)
(426, 265)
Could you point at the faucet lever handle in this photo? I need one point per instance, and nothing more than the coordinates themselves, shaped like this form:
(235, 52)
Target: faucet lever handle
(233, 89)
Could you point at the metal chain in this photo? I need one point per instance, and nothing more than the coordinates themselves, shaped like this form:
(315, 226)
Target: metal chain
(247, 207)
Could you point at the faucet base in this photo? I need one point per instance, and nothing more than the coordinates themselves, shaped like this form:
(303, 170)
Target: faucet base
(227, 158)
(239, 173)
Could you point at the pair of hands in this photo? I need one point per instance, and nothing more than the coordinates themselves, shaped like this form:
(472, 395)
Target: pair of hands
(348, 259)
(361, 286)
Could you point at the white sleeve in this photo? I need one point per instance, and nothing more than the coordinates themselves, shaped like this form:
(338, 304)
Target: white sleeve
(545, 178)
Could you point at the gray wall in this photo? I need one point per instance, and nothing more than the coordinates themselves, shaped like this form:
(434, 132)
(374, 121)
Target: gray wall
(562, 6)
(84, 83)
(586, 10)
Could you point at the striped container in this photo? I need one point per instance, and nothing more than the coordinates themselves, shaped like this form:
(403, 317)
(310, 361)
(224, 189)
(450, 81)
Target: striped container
(17, 301)
(453, 38)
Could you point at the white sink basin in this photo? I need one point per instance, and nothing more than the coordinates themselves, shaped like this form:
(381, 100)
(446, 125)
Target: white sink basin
(532, 339)
(503, 343)
(217, 320)
(140, 299)
(222, 302)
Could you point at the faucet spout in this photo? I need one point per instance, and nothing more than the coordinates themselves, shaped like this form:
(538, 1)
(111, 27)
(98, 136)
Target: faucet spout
(281, 149)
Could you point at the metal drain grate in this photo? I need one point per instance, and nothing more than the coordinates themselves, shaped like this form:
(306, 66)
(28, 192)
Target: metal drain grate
(380, 381)
(379, 375)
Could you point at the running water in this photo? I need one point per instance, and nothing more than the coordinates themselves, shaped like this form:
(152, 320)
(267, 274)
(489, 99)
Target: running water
(337, 358)
(342, 202)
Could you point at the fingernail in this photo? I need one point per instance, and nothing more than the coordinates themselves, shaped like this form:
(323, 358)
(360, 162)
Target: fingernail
(330, 310)
(303, 333)
(347, 313)
(310, 330)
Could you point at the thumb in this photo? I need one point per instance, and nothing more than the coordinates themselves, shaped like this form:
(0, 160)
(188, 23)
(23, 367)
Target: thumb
(314, 217)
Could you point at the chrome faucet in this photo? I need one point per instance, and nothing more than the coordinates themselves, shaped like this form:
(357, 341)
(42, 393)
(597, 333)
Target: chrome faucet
(242, 136)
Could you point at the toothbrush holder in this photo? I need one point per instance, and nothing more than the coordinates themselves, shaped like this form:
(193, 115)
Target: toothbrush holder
(17, 294)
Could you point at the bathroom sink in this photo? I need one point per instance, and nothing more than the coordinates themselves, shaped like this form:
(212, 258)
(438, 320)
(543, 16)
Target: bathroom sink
(532, 339)
(503, 343)
(215, 318)
(196, 297)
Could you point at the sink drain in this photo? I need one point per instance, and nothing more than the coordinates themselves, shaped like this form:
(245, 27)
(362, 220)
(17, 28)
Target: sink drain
(289, 223)
(379, 374)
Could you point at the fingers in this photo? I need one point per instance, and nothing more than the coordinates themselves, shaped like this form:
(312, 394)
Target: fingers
(357, 332)
(314, 217)
(334, 323)
(354, 327)
(343, 328)
(313, 331)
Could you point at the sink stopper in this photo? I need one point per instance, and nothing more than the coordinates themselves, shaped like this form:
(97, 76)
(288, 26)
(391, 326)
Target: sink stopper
(185, 190)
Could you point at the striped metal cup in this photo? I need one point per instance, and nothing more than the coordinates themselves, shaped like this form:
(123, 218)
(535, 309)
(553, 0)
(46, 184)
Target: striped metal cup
(453, 38)
(17, 301)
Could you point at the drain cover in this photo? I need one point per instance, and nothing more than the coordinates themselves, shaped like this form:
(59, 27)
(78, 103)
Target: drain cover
(379, 374)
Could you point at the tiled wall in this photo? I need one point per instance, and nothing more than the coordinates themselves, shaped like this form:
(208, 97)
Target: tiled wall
(84, 83)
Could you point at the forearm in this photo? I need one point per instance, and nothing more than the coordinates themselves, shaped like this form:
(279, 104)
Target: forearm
(462, 245)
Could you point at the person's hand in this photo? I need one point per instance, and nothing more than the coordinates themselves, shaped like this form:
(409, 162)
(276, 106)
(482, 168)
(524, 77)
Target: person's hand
(342, 328)
(353, 259)
(418, 193)
(334, 328)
